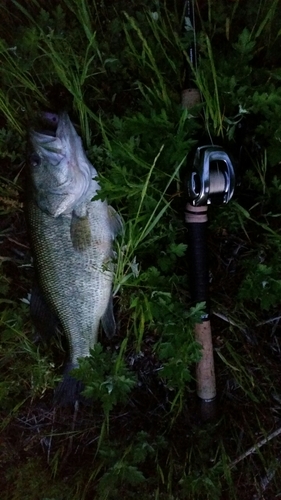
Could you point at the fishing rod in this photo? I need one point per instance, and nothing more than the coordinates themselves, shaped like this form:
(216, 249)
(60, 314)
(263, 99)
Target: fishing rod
(210, 179)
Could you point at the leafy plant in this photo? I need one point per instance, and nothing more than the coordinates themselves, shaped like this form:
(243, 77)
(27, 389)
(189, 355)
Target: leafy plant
(119, 72)
(261, 286)
(106, 378)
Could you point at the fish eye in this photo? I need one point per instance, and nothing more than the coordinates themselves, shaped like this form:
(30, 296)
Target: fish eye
(34, 160)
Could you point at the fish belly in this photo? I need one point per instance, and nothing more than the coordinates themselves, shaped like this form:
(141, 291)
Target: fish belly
(77, 285)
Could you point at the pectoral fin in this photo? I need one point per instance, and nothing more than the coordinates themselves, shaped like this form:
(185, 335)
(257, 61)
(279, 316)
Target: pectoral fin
(108, 320)
(80, 232)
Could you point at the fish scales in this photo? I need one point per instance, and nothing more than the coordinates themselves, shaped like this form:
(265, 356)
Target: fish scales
(71, 238)
(77, 286)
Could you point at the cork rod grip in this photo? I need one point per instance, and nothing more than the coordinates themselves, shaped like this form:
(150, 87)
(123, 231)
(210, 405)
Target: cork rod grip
(205, 370)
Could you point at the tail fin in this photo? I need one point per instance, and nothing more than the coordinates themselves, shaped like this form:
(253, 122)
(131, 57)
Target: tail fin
(69, 390)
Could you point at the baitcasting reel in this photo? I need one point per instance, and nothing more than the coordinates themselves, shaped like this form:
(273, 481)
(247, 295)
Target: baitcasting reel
(212, 178)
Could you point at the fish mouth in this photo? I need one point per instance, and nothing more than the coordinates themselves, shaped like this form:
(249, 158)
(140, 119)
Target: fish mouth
(50, 121)
(46, 124)
(52, 126)
(57, 138)
(46, 139)
(56, 125)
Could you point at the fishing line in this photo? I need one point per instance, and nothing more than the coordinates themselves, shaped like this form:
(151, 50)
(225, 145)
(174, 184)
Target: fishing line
(218, 182)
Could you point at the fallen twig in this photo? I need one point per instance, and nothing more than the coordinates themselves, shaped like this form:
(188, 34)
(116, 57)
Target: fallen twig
(255, 447)
(270, 320)
(265, 481)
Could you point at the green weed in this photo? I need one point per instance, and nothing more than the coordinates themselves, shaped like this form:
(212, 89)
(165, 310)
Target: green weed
(119, 72)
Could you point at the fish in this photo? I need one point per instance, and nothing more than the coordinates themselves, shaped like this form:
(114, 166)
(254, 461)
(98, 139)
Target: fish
(71, 239)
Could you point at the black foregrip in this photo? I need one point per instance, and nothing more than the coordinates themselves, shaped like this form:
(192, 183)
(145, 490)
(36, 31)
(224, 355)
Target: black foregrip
(196, 219)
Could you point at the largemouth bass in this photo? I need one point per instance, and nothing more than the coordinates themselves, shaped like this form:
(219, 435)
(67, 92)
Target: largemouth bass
(71, 237)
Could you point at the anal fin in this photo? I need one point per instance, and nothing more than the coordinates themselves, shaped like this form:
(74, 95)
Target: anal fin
(45, 321)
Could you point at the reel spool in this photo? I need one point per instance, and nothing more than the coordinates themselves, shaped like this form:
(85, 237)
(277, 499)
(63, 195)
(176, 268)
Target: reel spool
(212, 178)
